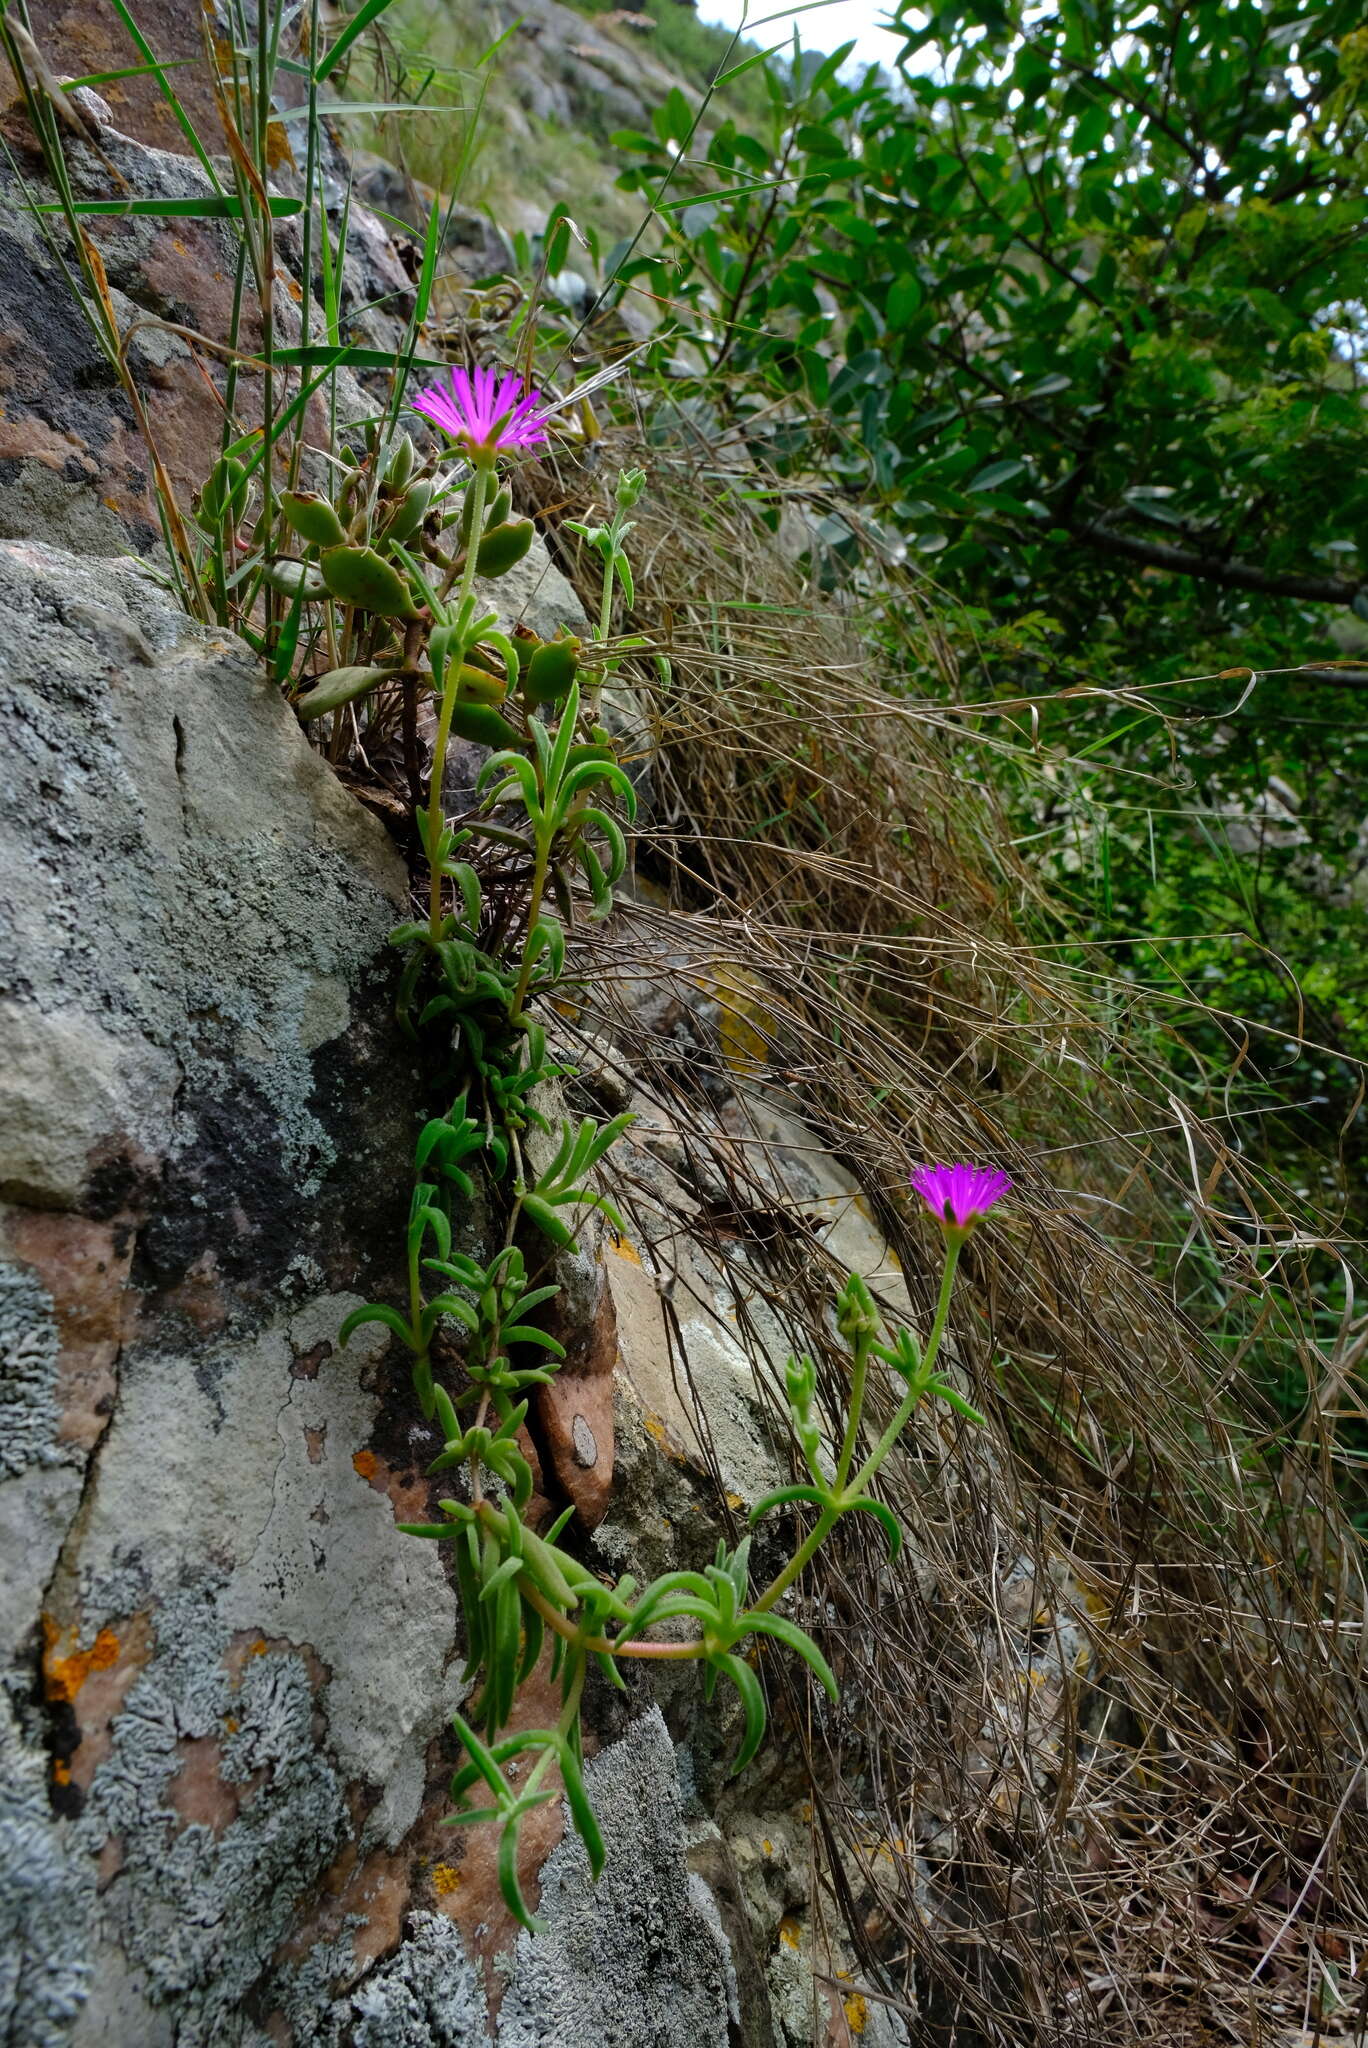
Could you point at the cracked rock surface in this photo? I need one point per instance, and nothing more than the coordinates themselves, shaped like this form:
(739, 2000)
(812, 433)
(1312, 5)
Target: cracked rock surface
(224, 1674)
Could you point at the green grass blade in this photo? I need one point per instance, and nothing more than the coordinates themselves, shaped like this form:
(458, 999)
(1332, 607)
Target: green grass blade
(129, 71)
(215, 206)
(728, 192)
(338, 110)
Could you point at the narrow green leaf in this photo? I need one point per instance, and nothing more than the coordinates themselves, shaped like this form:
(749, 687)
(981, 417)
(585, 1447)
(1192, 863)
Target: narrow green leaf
(581, 1812)
(508, 1881)
(376, 1312)
(795, 1639)
(548, 1222)
(753, 1700)
(784, 1496)
(207, 206)
(886, 1519)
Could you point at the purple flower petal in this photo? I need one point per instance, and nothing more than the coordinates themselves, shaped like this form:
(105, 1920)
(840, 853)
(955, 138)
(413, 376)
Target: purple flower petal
(487, 413)
(960, 1196)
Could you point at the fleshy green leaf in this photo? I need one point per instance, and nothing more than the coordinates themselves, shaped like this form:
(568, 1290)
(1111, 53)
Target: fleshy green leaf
(376, 1312)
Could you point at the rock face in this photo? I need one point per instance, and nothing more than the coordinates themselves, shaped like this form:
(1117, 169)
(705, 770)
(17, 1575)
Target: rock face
(226, 1672)
(73, 465)
(225, 1676)
(201, 1094)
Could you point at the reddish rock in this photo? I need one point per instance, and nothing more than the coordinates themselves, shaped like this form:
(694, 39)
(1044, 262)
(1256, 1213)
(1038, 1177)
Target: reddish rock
(84, 1267)
(575, 1413)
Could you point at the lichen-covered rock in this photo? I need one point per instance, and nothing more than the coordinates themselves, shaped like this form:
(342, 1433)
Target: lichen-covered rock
(225, 1674)
(638, 1960)
(205, 1098)
(428, 1995)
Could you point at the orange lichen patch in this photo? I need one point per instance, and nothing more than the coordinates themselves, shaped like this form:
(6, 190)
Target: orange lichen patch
(790, 1933)
(626, 1250)
(658, 1431)
(94, 1684)
(61, 1772)
(278, 152)
(856, 2010)
(408, 1496)
(446, 1878)
(65, 1671)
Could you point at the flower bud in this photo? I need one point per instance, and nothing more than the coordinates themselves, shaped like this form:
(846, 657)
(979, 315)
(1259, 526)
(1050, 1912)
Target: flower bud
(630, 485)
(480, 722)
(856, 1315)
(411, 513)
(223, 500)
(402, 458)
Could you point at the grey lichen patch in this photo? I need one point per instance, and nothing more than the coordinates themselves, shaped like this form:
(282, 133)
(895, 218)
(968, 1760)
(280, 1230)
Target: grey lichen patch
(44, 1903)
(201, 1910)
(257, 1468)
(175, 862)
(639, 1959)
(66, 1085)
(28, 1373)
(36, 1511)
(328, 1565)
(429, 1995)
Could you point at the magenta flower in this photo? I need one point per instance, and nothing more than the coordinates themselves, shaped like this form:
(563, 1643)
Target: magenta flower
(488, 414)
(959, 1196)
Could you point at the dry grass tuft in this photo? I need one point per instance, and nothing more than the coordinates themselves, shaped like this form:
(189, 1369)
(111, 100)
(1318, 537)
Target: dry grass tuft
(1099, 1772)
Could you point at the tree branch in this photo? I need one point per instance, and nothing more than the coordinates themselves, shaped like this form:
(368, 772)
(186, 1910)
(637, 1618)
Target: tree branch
(1211, 569)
